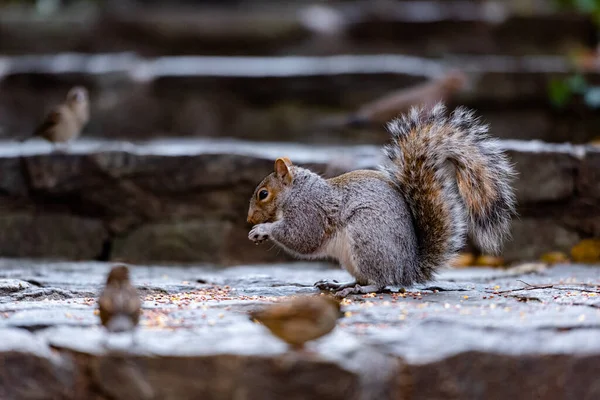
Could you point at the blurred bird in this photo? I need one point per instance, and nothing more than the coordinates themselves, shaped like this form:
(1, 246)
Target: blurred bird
(398, 102)
(65, 121)
(390, 106)
(301, 319)
(119, 303)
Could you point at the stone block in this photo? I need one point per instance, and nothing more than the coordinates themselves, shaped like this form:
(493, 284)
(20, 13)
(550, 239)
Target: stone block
(533, 237)
(544, 175)
(51, 236)
(183, 241)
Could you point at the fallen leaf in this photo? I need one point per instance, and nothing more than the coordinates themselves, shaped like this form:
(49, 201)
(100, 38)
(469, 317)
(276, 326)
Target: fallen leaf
(462, 260)
(586, 251)
(489, 261)
(554, 257)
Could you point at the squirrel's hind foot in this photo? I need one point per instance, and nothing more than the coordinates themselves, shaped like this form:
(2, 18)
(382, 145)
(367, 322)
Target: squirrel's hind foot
(344, 289)
(333, 285)
(358, 289)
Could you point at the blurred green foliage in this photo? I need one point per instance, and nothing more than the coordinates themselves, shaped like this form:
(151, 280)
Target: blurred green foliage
(591, 7)
(563, 91)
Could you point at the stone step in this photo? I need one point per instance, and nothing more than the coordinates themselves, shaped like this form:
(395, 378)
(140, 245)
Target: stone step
(417, 27)
(279, 98)
(197, 341)
(182, 200)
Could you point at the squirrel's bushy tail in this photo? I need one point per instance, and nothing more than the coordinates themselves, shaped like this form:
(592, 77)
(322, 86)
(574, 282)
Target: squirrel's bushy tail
(455, 178)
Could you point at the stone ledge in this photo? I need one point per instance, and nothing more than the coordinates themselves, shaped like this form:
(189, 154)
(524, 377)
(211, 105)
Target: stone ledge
(464, 335)
(131, 67)
(278, 98)
(172, 195)
(498, 376)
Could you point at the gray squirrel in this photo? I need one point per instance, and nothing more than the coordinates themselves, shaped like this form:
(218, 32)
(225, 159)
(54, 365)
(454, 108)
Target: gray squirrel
(443, 176)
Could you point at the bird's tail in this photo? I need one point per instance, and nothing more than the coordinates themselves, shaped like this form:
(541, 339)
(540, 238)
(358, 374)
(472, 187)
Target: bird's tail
(120, 323)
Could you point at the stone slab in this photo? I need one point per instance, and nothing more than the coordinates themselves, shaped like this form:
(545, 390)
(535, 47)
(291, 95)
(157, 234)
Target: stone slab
(472, 330)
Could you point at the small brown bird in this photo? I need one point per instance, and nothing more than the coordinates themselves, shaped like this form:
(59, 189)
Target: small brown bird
(300, 319)
(400, 101)
(119, 303)
(65, 122)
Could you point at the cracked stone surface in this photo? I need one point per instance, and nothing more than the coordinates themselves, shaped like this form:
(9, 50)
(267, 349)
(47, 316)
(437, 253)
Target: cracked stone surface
(464, 335)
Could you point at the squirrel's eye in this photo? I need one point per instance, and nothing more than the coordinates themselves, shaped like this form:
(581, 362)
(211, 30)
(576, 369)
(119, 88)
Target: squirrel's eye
(263, 194)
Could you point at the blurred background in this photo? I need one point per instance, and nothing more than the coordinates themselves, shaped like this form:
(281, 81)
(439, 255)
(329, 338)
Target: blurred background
(190, 104)
(296, 72)
(530, 64)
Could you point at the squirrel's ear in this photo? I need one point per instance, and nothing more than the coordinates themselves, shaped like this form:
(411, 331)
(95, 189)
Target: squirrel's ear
(282, 169)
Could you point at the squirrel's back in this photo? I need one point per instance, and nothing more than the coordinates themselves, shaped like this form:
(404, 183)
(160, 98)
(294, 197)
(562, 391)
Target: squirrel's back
(455, 178)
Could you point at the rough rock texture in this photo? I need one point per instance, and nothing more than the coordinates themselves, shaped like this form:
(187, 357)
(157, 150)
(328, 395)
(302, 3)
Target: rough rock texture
(32, 370)
(532, 236)
(51, 236)
(182, 241)
(521, 333)
(187, 200)
(279, 98)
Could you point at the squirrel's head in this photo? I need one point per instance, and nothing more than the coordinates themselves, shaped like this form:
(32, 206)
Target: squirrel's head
(264, 202)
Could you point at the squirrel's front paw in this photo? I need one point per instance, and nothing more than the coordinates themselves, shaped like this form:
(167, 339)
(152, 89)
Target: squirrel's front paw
(259, 233)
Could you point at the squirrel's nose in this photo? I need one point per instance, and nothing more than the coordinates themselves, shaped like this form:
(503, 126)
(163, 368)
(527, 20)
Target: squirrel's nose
(249, 219)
